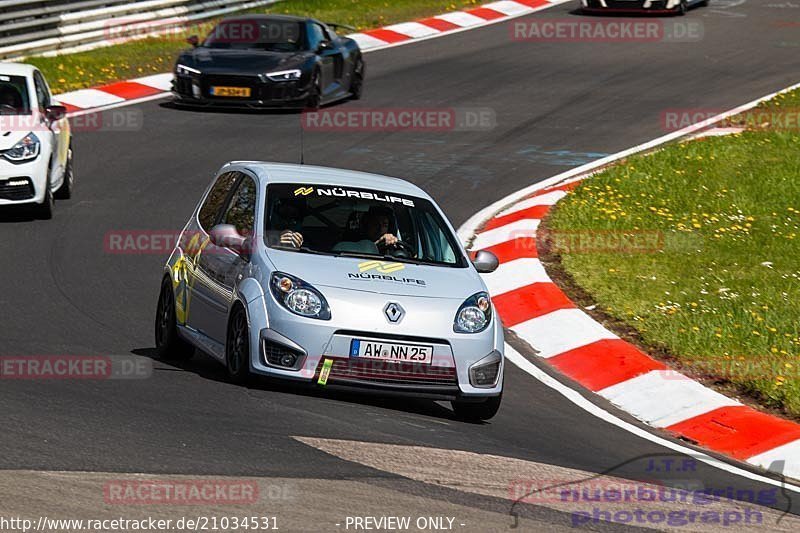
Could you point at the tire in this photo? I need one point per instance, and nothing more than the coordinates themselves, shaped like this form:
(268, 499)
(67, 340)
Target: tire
(65, 191)
(169, 345)
(682, 8)
(314, 99)
(477, 411)
(44, 210)
(357, 83)
(237, 347)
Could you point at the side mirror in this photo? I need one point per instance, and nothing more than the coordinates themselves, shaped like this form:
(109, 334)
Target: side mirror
(324, 45)
(55, 112)
(226, 236)
(193, 40)
(485, 262)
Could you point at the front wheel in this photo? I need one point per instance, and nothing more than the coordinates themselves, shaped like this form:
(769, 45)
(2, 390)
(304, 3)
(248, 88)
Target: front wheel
(168, 344)
(237, 347)
(44, 210)
(682, 8)
(357, 83)
(477, 411)
(65, 191)
(314, 99)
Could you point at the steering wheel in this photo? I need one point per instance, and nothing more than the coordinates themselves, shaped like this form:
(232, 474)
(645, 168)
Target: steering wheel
(401, 249)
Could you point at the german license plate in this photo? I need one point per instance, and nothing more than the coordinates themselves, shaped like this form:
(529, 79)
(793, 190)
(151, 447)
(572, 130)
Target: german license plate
(390, 351)
(236, 92)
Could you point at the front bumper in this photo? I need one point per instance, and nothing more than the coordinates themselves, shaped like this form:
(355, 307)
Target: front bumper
(630, 6)
(275, 331)
(23, 183)
(196, 91)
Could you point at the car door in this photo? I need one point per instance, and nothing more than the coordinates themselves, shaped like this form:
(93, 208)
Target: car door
(330, 58)
(198, 306)
(59, 129)
(219, 269)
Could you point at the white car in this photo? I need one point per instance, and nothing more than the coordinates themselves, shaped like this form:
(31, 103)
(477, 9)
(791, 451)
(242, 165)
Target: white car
(35, 141)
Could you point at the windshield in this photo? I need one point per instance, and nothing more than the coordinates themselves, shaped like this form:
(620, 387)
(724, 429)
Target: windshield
(14, 96)
(358, 222)
(254, 34)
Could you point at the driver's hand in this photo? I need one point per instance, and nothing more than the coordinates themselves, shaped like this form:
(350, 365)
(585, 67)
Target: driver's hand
(292, 238)
(387, 239)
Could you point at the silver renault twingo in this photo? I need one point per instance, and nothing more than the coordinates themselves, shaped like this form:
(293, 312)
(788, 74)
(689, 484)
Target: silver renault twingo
(334, 278)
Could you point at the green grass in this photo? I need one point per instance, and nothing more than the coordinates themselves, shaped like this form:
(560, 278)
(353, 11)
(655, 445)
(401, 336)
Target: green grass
(722, 294)
(154, 55)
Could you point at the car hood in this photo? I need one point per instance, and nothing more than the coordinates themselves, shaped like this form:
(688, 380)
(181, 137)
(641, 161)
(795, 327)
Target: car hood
(385, 277)
(220, 61)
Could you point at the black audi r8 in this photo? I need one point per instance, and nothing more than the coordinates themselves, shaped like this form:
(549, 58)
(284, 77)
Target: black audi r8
(269, 61)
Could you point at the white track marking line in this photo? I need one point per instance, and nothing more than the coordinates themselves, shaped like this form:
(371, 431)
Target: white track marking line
(644, 397)
(561, 331)
(86, 98)
(576, 398)
(507, 7)
(525, 228)
(790, 453)
(415, 30)
(162, 82)
(515, 274)
(459, 18)
(548, 198)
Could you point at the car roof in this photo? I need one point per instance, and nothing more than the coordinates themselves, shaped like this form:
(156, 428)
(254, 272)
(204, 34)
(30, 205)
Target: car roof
(314, 175)
(10, 68)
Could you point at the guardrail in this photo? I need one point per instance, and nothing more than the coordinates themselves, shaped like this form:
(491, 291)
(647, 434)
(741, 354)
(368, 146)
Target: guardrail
(48, 27)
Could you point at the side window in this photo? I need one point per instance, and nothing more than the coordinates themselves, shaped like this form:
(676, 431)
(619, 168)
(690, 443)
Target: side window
(316, 36)
(42, 94)
(242, 208)
(215, 200)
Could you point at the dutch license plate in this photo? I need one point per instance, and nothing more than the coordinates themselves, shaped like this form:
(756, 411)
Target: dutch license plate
(237, 92)
(389, 351)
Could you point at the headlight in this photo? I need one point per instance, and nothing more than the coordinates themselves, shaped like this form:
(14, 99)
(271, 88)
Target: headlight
(474, 314)
(25, 150)
(284, 75)
(186, 71)
(299, 297)
(485, 372)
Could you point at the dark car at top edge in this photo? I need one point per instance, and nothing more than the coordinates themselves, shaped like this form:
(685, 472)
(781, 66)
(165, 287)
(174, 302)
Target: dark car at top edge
(269, 61)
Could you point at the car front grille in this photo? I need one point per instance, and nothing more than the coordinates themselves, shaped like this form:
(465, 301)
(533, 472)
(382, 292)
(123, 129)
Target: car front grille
(387, 373)
(16, 189)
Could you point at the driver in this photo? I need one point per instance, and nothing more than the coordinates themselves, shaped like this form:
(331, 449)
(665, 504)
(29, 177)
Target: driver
(373, 235)
(289, 216)
(10, 97)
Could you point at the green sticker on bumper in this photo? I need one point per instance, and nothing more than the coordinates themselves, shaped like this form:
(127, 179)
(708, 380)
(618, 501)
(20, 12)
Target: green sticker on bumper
(325, 372)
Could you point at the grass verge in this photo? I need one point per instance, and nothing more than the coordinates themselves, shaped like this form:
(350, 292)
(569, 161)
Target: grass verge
(154, 55)
(696, 249)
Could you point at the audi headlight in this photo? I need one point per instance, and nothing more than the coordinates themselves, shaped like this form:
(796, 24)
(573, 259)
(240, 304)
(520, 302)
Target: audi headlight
(299, 297)
(474, 314)
(185, 70)
(25, 150)
(284, 75)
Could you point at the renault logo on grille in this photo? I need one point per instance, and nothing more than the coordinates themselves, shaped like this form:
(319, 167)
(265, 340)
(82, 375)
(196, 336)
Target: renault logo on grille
(394, 312)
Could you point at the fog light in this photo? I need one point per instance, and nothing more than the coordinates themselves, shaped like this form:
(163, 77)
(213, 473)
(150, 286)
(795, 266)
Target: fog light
(485, 372)
(288, 360)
